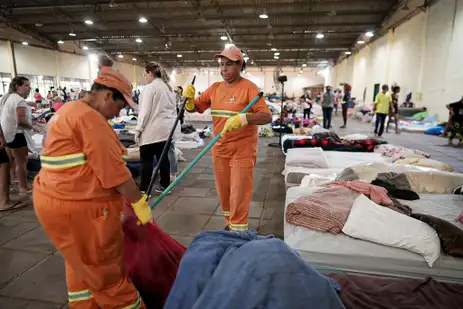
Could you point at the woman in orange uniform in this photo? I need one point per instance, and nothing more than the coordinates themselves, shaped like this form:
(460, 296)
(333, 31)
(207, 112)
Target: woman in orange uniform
(234, 155)
(79, 195)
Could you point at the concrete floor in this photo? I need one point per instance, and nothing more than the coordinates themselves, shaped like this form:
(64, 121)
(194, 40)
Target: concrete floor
(32, 272)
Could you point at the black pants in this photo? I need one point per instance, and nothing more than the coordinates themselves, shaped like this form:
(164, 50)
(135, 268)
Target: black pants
(344, 113)
(147, 153)
(327, 113)
(307, 112)
(380, 120)
(181, 118)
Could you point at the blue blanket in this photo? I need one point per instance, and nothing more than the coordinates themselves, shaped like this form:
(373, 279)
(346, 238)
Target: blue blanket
(230, 270)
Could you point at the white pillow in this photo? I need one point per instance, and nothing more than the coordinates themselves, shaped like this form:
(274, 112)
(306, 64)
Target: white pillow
(379, 224)
(306, 157)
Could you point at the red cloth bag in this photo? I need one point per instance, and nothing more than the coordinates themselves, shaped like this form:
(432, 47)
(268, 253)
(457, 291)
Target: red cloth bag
(151, 257)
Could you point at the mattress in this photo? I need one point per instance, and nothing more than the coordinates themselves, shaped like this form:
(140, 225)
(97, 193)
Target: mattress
(417, 127)
(337, 161)
(341, 252)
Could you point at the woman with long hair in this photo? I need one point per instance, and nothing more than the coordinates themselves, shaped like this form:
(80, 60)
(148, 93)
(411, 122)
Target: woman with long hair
(157, 113)
(394, 108)
(14, 123)
(344, 103)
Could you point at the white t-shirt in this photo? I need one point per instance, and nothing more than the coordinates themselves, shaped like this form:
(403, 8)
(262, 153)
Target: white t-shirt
(157, 113)
(8, 117)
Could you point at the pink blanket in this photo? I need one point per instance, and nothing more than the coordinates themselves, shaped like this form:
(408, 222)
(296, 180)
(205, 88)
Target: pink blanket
(325, 210)
(377, 194)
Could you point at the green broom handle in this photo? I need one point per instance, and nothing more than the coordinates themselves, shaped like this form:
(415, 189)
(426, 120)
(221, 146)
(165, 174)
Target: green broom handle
(199, 156)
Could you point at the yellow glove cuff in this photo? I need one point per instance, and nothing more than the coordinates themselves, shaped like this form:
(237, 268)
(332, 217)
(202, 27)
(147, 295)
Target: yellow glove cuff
(141, 202)
(190, 105)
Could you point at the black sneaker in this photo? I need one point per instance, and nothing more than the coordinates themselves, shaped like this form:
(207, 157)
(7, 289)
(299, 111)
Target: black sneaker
(159, 189)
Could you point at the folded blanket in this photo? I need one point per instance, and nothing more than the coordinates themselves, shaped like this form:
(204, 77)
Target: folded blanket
(325, 210)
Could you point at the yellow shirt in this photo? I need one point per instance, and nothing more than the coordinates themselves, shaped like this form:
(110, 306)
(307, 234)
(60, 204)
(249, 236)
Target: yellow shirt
(382, 102)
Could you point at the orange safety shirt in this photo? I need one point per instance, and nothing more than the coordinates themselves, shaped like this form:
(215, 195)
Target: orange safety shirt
(226, 101)
(82, 157)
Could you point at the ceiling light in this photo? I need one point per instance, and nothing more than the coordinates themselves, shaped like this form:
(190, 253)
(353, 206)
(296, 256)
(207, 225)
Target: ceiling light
(179, 56)
(273, 49)
(360, 42)
(276, 54)
(369, 34)
(38, 24)
(304, 65)
(60, 42)
(134, 59)
(224, 38)
(348, 53)
(89, 22)
(263, 16)
(72, 33)
(85, 48)
(143, 20)
(276, 57)
(138, 40)
(320, 36)
(120, 56)
(25, 43)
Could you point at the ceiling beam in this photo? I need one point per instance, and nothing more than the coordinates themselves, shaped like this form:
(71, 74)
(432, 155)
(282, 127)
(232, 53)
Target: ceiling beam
(25, 30)
(338, 5)
(145, 33)
(131, 16)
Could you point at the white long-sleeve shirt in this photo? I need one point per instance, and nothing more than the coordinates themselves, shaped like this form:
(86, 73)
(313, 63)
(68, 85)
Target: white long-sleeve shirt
(157, 113)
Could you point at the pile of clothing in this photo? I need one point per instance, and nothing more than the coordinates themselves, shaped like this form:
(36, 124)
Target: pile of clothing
(365, 145)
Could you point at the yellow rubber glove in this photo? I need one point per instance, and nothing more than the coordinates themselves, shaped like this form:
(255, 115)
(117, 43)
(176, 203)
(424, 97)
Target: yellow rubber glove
(234, 123)
(189, 94)
(142, 210)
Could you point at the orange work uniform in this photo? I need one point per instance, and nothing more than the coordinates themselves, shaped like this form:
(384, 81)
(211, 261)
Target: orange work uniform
(234, 155)
(79, 209)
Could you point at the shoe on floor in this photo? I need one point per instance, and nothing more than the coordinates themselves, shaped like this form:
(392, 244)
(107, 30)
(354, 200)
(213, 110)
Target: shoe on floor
(342, 127)
(159, 189)
(227, 228)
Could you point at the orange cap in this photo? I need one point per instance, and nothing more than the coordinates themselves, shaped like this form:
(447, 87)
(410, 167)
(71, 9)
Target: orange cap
(114, 79)
(232, 52)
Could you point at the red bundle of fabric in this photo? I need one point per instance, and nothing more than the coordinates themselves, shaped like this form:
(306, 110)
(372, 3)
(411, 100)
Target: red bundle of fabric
(152, 258)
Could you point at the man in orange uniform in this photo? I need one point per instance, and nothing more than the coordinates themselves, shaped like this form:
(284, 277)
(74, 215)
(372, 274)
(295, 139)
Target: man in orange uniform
(79, 196)
(234, 155)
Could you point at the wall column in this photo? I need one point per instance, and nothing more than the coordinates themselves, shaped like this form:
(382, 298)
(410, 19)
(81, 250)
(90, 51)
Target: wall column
(12, 56)
(390, 43)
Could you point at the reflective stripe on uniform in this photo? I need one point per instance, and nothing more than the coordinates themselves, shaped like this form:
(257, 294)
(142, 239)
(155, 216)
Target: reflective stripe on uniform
(223, 113)
(63, 161)
(67, 160)
(136, 305)
(239, 227)
(79, 296)
(226, 213)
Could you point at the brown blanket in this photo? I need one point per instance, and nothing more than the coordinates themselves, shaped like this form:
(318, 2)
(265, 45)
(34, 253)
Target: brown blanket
(325, 210)
(367, 292)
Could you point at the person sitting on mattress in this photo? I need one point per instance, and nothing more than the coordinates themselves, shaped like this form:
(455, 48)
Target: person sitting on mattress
(456, 122)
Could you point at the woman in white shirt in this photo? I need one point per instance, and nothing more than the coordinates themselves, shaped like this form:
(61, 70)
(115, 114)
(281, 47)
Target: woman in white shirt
(157, 113)
(14, 122)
